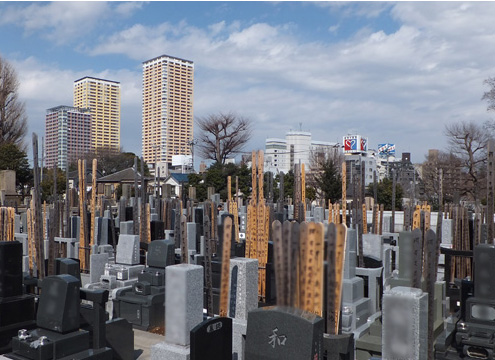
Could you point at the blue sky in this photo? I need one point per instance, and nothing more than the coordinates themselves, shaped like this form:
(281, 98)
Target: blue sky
(395, 72)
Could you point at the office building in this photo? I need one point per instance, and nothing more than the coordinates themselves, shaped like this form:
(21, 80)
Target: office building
(102, 97)
(167, 123)
(67, 135)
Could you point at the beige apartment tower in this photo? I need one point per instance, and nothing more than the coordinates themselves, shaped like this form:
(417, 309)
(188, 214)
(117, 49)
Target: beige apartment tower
(102, 97)
(167, 108)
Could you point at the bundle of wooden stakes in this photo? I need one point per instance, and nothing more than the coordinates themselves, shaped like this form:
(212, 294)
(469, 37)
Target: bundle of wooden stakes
(258, 215)
(299, 267)
(7, 219)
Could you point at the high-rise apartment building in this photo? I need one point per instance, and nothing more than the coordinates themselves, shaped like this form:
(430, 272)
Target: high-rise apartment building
(167, 108)
(102, 97)
(68, 135)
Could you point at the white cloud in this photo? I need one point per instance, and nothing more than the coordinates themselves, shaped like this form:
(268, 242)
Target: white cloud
(65, 21)
(43, 87)
(127, 8)
(400, 87)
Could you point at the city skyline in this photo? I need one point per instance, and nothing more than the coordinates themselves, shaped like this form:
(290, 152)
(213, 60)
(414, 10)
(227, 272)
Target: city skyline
(393, 72)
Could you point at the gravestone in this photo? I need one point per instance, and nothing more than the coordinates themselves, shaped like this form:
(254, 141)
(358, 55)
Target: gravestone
(183, 310)
(127, 228)
(143, 303)
(198, 219)
(97, 264)
(283, 333)
(355, 307)
(128, 250)
(373, 246)
(157, 230)
(409, 259)
(212, 339)
(319, 214)
(244, 300)
(192, 236)
(17, 310)
(405, 328)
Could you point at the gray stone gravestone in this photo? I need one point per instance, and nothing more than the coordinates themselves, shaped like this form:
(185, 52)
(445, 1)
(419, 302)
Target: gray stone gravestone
(355, 307)
(127, 228)
(183, 310)
(405, 328)
(246, 300)
(284, 333)
(97, 264)
(128, 250)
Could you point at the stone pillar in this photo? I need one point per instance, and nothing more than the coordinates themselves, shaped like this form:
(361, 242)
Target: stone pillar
(405, 324)
(183, 310)
(246, 299)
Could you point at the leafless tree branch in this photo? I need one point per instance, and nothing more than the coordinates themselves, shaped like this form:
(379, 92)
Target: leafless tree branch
(13, 119)
(222, 135)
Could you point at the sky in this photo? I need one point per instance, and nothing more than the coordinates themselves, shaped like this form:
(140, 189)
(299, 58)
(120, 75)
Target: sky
(395, 72)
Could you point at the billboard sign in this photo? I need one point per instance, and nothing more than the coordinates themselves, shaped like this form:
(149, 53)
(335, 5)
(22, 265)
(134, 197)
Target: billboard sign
(352, 144)
(364, 144)
(181, 160)
(386, 149)
(355, 144)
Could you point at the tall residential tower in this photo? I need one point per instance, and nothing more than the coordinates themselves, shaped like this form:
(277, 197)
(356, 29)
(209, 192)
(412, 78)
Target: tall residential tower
(167, 108)
(68, 135)
(102, 97)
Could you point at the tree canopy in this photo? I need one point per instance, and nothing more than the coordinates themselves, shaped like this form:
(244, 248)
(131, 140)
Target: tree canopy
(13, 158)
(216, 176)
(384, 194)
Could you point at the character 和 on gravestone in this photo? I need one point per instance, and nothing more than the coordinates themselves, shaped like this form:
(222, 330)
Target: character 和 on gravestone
(284, 333)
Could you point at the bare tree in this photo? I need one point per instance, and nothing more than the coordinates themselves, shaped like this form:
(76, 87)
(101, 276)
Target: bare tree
(490, 95)
(222, 135)
(13, 119)
(442, 178)
(467, 142)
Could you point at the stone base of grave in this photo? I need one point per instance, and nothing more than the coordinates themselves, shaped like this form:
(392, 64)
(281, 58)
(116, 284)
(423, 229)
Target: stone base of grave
(239, 329)
(168, 351)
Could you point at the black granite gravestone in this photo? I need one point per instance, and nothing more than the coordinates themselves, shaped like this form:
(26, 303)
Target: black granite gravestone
(10, 269)
(212, 339)
(157, 230)
(128, 213)
(17, 310)
(283, 333)
(198, 219)
(59, 307)
(68, 267)
(58, 335)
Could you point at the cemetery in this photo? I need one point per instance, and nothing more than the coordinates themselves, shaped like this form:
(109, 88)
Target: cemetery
(242, 278)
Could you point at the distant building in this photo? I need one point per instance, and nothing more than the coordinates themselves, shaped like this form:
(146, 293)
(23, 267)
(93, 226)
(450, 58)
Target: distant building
(167, 120)
(102, 98)
(282, 154)
(67, 135)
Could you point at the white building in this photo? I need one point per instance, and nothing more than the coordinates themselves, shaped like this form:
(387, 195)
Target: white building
(276, 159)
(282, 154)
(354, 162)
